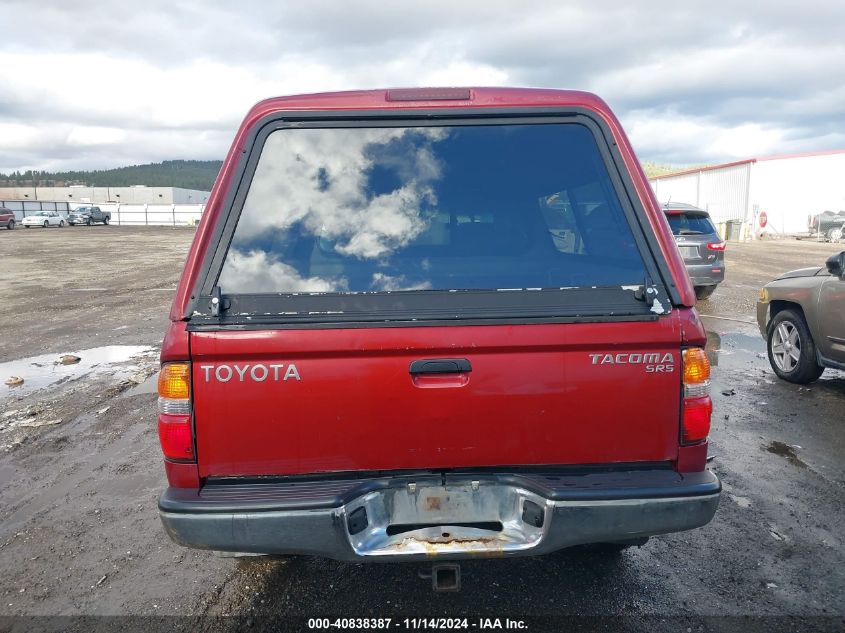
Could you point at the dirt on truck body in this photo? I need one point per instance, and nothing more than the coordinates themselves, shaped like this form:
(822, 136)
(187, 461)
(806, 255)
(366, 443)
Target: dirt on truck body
(420, 324)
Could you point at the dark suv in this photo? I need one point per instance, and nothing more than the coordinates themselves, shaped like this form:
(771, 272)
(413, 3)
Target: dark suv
(700, 245)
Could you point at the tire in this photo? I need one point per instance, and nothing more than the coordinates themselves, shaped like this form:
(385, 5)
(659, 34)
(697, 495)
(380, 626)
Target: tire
(106, 220)
(792, 352)
(88, 222)
(704, 292)
(11, 225)
(45, 225)
(61, 224)
(26, 226)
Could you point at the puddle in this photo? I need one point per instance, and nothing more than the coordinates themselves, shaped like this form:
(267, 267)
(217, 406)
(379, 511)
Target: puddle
(46, 370)
(150, 385)
(735, 349)
(712, 347)
(785, 450)
(744, 346)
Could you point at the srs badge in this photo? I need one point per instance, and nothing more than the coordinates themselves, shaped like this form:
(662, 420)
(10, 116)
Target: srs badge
(654, 362)
(256, 373)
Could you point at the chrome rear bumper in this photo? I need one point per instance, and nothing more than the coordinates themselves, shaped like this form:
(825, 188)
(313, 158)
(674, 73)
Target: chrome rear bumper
(421, 518)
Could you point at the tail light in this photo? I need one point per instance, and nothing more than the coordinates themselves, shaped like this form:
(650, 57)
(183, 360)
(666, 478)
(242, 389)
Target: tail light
(697, 406)
(174, 412)
(717, 246)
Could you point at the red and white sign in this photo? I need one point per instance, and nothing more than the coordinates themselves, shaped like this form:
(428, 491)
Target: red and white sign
(763, 219)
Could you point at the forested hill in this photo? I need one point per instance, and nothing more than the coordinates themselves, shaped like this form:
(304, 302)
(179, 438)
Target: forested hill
(189, 174)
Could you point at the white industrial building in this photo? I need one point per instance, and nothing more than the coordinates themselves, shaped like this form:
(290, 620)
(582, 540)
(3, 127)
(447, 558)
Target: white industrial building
(783, 191)
(131, 206)
(137, 194)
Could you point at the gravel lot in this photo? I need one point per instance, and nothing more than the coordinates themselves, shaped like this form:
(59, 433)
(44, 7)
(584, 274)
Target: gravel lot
(80, 472)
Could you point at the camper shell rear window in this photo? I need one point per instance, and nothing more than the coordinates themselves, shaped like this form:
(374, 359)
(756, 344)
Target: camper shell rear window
(436, 220)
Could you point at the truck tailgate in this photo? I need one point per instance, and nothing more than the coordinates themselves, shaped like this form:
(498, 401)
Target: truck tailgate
(550, 394)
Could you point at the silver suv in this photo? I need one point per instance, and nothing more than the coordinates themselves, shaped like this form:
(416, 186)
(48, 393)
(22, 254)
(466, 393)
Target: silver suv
(700, 245)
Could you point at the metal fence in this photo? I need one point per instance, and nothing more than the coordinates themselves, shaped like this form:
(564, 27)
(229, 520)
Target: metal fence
(155, 214)
(121, 214)
(22, 208)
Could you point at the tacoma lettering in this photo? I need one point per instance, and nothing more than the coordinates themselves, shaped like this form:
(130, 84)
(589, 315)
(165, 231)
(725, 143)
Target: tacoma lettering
(632, 359)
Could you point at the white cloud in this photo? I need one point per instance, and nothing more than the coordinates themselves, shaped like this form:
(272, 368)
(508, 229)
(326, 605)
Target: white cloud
(86, 135)
(337, 204)
(18, 136)
(255, 271)
(176, 78)
(687, 140)
(393, 283)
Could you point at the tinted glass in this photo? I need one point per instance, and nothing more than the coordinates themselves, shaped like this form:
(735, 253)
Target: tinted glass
(430, 208)
(690, 224)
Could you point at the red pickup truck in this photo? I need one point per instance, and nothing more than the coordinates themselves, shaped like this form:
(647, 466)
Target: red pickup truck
(7, 218)
(433, 323)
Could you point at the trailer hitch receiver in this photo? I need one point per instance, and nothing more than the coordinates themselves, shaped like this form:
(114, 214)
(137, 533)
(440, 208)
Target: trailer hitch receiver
(446, 577)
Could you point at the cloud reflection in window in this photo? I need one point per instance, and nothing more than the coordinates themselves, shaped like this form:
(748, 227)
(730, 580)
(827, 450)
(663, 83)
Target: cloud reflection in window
(364, 192)
(256, 272)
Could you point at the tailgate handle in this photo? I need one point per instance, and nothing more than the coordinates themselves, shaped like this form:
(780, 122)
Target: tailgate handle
(440, 366)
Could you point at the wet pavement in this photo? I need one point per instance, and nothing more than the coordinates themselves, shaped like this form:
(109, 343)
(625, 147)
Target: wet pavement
(27, 375)
(808, 418)
(80, 535)
(40, 388)
(774, 548)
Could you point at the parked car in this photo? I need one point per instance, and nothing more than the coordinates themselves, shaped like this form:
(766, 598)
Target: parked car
(828, 224)
(89, 216)
(43, 219)
(7, 218)
(409, 331)
(700, 244)
(801, 314)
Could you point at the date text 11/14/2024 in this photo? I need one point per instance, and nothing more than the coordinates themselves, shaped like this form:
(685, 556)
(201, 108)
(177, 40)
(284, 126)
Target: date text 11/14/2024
(416, 624)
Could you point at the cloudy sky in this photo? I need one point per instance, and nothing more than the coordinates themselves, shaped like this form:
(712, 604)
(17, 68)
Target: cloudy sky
(95, 84)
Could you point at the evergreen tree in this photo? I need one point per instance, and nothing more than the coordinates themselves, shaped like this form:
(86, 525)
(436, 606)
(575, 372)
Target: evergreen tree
(187, 174)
